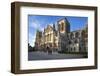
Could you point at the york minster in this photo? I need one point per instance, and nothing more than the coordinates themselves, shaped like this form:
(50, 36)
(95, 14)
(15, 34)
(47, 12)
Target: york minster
(61, 38)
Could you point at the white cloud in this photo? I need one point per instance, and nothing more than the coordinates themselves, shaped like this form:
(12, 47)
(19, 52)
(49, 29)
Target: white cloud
(32, 39)
(36, 25)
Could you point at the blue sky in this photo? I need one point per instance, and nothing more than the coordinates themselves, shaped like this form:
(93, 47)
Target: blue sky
(39, 22)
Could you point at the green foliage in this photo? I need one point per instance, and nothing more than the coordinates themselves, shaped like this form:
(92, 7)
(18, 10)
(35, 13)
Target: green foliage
(30, 48)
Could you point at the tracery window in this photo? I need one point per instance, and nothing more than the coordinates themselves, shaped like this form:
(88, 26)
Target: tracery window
(62, 26)
(77, 34)
(71, 35)
(76, 41)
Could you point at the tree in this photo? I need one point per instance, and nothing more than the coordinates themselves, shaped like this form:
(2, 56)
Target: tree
(30, 48)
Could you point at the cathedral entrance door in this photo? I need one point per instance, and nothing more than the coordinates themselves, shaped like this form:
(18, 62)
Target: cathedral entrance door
(49, 51)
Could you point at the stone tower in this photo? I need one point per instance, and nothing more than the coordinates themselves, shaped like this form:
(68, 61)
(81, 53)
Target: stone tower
(38, 39)
(63, 26)
(63, 30)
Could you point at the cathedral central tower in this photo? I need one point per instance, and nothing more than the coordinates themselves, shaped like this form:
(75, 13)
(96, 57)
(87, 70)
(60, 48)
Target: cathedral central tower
(63, 26)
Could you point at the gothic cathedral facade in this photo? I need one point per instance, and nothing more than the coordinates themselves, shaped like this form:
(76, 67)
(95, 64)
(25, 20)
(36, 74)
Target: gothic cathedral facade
(59, 38)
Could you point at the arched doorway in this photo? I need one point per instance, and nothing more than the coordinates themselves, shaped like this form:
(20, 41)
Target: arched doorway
(49, 50)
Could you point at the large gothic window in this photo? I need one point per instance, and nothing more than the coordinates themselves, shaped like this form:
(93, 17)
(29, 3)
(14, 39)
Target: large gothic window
(62, 26)
(71, 35)
(74, 49)
(70, 42)
(77, 34)
(83, 34)
(50, 37)
(76, 41)
(68, 36)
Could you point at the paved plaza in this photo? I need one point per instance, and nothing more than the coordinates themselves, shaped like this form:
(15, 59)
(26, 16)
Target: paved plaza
(45, 56)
